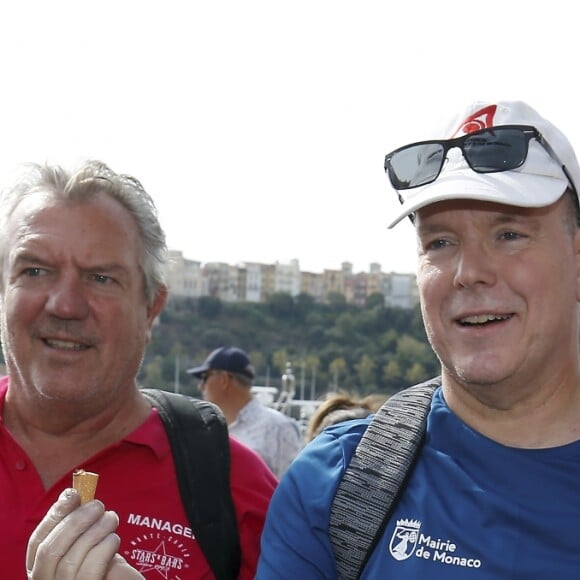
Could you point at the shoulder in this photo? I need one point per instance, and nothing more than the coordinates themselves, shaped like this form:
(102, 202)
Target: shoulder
(325, 458)
(276, 416)
(286, 427)
(268, 414)
(242, 453)
(247, 467)
(252, 485)
(295, 538)
(342, 437)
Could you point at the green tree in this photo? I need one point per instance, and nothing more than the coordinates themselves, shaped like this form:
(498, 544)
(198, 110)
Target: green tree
(279, 360)
(258, 360)
(346, 324)
(337, 368)
(299, 329)
(388, 340)
(209, 307)
(365, 369)
(392, 375)
(151, 373)
(304, 305)
(281, 305)
(374, 300)
(312, 365)
(215, 337)
(415, 374)
(410, 350)
(336, 301)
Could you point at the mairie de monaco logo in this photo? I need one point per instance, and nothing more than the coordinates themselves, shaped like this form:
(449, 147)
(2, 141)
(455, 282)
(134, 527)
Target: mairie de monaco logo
(404, 539)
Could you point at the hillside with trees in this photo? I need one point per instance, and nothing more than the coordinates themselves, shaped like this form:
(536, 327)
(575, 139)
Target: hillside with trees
(334, 346)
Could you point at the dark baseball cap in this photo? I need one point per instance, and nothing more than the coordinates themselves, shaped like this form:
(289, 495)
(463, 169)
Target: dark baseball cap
(225, 358)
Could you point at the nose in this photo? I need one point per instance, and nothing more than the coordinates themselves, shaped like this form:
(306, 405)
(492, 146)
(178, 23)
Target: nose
(475, 266)
(67, 298)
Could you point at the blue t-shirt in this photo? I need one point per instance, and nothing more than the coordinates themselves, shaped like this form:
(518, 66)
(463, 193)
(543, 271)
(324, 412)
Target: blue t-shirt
(473, 509)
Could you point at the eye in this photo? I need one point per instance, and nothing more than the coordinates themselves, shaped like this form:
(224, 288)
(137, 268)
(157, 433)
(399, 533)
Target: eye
(511, 235)
(102, 278)
(33, 272)
(438, 244)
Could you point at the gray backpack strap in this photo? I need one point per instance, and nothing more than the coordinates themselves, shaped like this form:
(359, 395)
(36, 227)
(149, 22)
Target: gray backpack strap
(375, 477)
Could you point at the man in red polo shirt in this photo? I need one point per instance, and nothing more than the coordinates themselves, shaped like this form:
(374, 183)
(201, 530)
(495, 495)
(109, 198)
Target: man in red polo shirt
(81, 258)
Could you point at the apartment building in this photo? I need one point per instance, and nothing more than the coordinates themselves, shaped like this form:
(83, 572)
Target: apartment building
(255, 282)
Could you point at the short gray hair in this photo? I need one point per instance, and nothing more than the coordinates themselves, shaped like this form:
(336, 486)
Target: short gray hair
(88, 180)
(574, 206)
(244, 380)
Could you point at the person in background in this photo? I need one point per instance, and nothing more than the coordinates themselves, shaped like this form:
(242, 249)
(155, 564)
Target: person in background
(82, 256)
(338, 407)
(226, 378)
(494, 491)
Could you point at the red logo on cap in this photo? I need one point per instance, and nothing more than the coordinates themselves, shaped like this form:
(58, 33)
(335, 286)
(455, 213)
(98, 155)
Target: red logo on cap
(479, 120)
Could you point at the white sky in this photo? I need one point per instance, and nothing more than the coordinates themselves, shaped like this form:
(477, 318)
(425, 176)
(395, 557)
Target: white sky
(260, 126)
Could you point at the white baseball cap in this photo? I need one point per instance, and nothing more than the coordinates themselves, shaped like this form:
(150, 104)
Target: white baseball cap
(539, 182)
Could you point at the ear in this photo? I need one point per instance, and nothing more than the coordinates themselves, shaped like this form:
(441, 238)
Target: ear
(222, 382)
(227, 380)
(155, 308)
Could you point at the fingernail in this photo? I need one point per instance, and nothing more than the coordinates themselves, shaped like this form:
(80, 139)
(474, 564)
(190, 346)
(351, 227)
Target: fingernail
(95, 505)
(67, 494)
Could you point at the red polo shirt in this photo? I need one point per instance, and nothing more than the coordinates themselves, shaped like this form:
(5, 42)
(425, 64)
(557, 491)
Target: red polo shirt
(155, 534)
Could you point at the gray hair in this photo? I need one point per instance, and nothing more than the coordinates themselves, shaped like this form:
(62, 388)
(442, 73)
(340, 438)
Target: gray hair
(242, 379)
(574, 209)
(90, 179)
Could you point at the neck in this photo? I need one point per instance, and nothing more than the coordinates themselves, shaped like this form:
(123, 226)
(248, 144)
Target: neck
(235, 403)
(539, 416)
(59, 436)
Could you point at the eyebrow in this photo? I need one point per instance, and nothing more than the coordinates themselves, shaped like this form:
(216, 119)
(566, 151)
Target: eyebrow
(500, 218)
(26, 257)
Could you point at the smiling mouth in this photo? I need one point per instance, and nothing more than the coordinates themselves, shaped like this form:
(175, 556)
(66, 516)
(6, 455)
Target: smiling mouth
(65, 344)
(483, 319)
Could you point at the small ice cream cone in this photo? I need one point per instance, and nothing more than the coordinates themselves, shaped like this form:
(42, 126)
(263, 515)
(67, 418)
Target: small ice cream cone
(85, 483)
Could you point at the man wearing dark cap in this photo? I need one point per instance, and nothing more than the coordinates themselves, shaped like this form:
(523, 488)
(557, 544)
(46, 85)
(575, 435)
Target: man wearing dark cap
(226, 379)
(494, 491)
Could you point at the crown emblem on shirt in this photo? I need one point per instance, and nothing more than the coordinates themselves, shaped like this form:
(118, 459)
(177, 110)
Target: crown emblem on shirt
(412, 524)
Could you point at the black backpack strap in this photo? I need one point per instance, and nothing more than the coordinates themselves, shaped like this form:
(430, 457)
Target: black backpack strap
(376, 475)
(198, 436)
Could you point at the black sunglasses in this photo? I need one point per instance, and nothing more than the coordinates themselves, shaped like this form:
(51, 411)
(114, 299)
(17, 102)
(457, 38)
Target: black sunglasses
(204, 377)
(491, 150)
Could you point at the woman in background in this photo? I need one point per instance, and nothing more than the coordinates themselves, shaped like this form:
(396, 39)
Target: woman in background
(340, 407)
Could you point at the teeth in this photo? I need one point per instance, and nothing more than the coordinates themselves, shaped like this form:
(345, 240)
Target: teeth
(65, 344)
(483, 318)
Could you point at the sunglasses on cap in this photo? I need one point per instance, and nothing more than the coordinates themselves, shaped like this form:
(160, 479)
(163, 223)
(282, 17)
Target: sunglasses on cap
(490, 150)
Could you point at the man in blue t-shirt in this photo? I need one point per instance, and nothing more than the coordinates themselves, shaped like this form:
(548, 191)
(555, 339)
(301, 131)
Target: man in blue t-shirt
(494, 493)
